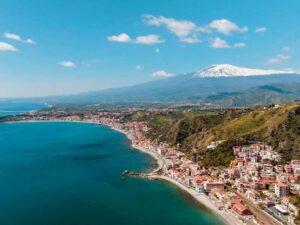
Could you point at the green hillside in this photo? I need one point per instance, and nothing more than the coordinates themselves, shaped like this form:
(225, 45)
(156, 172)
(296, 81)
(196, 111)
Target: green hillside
(194, 131)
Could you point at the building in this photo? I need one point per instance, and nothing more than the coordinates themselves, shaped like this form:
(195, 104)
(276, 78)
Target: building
(209, 185)
(280, 210)
(241, 209)
(282, 190)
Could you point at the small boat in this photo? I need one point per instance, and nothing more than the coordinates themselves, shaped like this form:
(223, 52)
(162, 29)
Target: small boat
(125, 172)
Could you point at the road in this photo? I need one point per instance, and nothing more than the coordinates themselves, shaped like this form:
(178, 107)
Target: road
(259, 213)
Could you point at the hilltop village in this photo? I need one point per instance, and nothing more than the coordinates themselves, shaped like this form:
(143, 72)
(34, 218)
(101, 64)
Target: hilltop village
(254, 189)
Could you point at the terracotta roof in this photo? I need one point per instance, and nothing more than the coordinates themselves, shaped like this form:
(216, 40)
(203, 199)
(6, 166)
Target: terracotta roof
(240, 207)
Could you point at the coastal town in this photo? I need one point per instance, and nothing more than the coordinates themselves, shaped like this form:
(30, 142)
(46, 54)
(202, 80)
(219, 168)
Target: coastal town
(254, 189)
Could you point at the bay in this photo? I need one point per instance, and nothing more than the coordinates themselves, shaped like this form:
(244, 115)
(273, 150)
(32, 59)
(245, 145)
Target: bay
(70, 174)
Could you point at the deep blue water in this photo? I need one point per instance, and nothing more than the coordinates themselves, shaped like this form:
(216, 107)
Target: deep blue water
(70, 174)
(9, 108)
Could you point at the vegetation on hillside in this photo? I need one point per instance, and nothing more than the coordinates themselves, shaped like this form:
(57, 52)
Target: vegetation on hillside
(194, 131)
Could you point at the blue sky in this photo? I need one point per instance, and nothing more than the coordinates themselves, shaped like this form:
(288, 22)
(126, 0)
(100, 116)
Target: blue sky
(58, 47)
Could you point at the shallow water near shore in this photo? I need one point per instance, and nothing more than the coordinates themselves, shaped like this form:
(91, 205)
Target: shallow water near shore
(70, 173)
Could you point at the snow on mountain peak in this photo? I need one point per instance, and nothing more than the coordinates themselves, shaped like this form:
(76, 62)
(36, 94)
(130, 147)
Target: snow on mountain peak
(227, 70)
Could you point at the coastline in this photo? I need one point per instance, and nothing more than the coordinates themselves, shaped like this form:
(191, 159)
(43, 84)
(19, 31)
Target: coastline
(154, 155)
(202, 199)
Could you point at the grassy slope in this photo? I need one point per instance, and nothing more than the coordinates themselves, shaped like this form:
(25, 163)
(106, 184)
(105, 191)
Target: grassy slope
(194, 131)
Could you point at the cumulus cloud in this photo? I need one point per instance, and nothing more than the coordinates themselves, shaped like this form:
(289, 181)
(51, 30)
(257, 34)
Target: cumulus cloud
(68, 64)
(5, 47)
(161, 73)
(180, 28)
(123, 37)
(149, 39)
(260, 29)
(239, 45)
(226, 27)
(185, 30)
(278, 59)
(12, 36)
(219, 43)
(188, 31)
(17, 37)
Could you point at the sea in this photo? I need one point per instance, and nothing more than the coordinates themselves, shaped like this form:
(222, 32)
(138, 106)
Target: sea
(62, 173)
(15, 108)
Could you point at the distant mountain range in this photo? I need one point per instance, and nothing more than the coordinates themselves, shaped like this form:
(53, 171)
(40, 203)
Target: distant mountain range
(223, 84)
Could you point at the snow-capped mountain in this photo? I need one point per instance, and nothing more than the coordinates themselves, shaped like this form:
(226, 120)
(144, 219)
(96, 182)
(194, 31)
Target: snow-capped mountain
(227, 70)
(241, 86)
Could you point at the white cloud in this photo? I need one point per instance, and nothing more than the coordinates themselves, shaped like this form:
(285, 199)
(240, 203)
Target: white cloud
(157, 50)
(219, 43)
(180, 28)
(185, 30)
(16, 37)
(5, 47)
(260, 29)
(286, 48)
(138, 67)
(278, 59)
(188, 31)
(12, 36)
(68, 64)
(239, 45)
(190, 40)
(148, 39)
(226, 27)
(123, 37)
(161, 73)
(30, 41)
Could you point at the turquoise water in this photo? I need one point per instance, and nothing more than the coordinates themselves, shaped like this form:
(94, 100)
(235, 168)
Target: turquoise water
(9, 108)
(70, 174)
